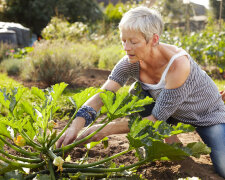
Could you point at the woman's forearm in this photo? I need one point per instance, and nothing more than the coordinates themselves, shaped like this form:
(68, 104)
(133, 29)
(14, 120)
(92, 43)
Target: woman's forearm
(95, 102)
(120, 127)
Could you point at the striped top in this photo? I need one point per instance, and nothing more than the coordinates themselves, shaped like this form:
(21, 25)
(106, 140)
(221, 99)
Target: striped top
(197, 101)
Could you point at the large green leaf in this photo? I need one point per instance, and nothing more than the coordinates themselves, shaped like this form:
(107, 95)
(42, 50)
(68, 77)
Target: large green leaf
(122, 104)
(162, 151)
(80, 98)
(57, 90)
(10, 100)
(38, 92)
(198, 148)
(28, 108)
(4, 99)
(148, 135)
(15, 124)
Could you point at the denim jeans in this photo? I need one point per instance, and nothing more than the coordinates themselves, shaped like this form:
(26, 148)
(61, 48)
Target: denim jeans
(214, 137)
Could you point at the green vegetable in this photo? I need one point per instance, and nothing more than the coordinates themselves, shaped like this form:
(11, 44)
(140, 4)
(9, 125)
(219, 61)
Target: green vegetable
(32, 123)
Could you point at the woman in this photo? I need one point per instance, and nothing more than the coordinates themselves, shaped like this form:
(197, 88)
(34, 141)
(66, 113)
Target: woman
(180, 88)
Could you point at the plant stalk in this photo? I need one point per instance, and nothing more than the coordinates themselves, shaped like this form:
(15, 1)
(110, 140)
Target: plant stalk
(51, 154)
(96, 163)
(104, 170)
(20, 150)
(19, 165)
(50, 167)
(31, 143)
(20, 158)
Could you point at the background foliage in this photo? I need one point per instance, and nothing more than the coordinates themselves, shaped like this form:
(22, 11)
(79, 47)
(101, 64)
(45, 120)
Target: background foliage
(36, 14)
(95, 43)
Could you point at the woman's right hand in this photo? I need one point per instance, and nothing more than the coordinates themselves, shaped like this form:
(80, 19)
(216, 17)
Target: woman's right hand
(71, 133)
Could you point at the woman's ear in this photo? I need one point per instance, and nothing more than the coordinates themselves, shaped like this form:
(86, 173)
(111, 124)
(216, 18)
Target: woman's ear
(155, 40)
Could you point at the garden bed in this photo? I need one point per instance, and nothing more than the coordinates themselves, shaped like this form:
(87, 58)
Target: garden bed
(190, 167)
(159, 170)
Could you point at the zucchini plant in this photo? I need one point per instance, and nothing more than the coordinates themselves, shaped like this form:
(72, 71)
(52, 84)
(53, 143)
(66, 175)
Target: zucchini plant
(28, 130)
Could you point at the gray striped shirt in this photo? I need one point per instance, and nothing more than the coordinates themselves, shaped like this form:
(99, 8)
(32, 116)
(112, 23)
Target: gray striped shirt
(197, 101)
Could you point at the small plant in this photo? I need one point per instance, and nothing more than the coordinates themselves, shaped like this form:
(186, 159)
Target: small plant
(11, 66)
(28, 130)
(62, 29)
(52, 62)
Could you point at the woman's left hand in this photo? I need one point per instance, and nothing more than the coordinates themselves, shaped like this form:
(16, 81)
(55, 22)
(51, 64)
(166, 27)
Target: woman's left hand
(97, 137)
(223, 94)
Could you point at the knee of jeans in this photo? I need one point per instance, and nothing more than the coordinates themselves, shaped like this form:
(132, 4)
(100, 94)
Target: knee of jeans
(218, 159)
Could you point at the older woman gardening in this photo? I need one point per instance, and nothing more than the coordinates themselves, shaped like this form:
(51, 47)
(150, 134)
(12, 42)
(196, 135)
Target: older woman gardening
(181, 90)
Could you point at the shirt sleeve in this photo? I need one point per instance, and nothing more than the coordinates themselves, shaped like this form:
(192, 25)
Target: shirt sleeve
(121, 72)
(169, 100)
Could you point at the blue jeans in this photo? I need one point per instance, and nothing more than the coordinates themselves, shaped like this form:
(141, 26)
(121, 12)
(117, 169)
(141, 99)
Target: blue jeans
(214, 137)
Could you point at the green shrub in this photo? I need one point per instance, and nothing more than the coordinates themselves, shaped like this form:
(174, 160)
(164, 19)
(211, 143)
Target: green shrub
(109, 56)
(87, 53)
(11, 66)
(114, 13)
(52, 62)
(62, 29)
(207, 47)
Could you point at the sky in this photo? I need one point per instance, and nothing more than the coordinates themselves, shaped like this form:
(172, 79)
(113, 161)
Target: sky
(202, 2)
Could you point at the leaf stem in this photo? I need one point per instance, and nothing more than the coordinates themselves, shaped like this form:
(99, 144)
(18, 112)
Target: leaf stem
(51, 154)
(19, 165)
(20, 150)
(31, 143)
(96, 163)
(50, 167)
(103, 170)
(20, 158)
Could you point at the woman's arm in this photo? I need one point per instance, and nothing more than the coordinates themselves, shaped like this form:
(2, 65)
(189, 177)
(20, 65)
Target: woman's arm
(78, 123)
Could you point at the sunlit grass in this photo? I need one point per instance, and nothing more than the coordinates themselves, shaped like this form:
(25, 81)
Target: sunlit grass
(220, 84)
(8, 83)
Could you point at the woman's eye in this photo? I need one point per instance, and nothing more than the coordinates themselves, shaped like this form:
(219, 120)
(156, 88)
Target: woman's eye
(133, 42)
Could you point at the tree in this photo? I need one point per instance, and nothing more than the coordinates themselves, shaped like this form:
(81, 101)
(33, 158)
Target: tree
(79, 10)
(36, 14)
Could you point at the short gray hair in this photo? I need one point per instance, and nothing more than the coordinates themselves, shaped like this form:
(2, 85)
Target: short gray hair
(144, 20)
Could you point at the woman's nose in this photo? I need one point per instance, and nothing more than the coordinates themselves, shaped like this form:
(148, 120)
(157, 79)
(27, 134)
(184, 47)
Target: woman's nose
(126, 46)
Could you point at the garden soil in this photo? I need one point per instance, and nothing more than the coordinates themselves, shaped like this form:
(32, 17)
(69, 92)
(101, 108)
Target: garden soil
(159, 170)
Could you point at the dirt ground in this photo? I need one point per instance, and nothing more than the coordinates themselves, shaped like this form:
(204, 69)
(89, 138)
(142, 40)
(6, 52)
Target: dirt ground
(190, 167)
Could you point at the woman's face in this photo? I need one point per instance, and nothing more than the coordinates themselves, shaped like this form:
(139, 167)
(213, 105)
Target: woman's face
(135, 45)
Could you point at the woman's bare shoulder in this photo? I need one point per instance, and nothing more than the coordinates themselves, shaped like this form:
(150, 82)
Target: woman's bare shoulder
(178, 72)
